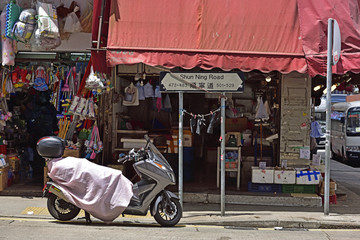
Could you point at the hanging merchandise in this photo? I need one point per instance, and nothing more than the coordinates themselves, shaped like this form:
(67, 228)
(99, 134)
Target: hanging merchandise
(214, 121)
(166, 104)
(93, 144)
(149, 90)
(7, 86)
(261, 113)
(24, 28)
(76, 99)
(131, 96)
(140, 87)
(72, 23)
(8, 45)
(86, 17)
(12, 15)
(200, 124)
(46, 35)
(39, 83)
(47, 20)
(93, 81)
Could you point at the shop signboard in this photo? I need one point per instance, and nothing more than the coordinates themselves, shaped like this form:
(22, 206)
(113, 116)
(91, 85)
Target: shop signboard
(200, 82)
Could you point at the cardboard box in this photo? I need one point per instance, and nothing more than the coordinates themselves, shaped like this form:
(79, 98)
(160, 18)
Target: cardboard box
(307, 177)
(71, 153)
(286, 176)
(235, 124)
(173, 144)
(265, 175)
(187, 138)
(14, 165)
(332, 187)
(3, 178)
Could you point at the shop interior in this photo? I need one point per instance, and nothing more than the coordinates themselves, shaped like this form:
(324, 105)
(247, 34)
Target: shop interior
(252, 117)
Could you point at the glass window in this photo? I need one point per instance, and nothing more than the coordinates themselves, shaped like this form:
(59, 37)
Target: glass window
(353, 123)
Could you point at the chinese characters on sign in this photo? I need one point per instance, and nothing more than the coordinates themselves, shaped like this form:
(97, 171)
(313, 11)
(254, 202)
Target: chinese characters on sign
(213, 82)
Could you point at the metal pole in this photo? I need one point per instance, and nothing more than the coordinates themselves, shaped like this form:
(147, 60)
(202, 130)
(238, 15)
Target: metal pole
(222, 155)
(328, 116)
(180, 144)
(100, 24)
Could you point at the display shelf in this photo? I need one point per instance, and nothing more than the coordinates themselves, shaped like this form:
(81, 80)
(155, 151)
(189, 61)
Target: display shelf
(236, 169)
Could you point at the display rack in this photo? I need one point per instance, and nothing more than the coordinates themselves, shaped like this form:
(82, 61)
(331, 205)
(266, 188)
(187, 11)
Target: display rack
(236, 169)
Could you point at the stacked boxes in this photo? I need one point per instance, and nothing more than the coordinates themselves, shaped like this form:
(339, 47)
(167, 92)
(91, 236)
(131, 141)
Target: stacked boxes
(307, 177)
(265, 175)
(292, 181)
(284, 176)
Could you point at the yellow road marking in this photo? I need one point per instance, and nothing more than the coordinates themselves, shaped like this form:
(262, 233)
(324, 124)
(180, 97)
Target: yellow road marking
(43, 211)
(24, 219)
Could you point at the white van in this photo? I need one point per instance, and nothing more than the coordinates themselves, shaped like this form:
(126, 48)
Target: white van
(345, 130)
(320, 117)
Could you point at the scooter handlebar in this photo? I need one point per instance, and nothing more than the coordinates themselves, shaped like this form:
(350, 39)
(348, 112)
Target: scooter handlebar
(123, 160)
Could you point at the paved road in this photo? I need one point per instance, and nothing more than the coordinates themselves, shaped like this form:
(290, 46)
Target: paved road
(345, 175)
(25, 228)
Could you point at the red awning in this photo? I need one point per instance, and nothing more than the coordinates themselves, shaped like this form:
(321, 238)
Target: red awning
(313, 17)
(268, 35)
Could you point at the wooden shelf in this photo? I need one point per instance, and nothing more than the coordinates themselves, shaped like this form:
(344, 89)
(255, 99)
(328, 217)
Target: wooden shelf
(132, 131)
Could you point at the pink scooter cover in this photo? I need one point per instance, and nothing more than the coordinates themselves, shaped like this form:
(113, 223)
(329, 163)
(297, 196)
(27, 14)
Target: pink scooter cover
(103, 192)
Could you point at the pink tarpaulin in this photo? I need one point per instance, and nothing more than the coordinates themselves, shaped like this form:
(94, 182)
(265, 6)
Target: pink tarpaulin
(268, 35)
(103, 192)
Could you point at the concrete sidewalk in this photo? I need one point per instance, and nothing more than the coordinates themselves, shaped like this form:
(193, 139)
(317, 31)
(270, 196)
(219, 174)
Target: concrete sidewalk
(344, 214)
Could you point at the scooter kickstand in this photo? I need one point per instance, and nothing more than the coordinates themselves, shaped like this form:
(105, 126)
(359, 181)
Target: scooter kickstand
(87, 218)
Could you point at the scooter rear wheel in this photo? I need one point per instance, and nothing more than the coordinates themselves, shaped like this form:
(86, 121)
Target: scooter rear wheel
(60, 209)
(165, 215)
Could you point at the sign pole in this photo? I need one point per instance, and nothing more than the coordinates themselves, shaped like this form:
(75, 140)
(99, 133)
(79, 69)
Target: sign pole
(222, 155)
(328, 116)
(180, 144)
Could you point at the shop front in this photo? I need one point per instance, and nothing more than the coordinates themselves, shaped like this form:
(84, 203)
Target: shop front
(275, 45)
(44, 68)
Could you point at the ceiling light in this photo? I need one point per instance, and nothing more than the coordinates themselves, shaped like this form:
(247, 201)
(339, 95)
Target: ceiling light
(333, 87)
(317, 88)
(268, 79)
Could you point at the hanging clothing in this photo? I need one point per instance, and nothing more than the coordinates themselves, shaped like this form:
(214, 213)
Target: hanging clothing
(131, 96)
(261, 113)
(149, 90)
(141, 91)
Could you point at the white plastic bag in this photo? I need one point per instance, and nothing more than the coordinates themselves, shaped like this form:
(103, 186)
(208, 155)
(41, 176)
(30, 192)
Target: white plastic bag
(93, 81)
(72, 23)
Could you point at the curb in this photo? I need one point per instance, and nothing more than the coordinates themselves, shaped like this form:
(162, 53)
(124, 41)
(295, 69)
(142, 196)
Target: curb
(303, 201)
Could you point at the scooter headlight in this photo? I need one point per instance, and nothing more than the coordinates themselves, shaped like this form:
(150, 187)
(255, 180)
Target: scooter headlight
(171, 176)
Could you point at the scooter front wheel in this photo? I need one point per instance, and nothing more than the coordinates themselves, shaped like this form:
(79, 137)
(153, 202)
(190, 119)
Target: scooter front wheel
(168, 212)
(60, 209)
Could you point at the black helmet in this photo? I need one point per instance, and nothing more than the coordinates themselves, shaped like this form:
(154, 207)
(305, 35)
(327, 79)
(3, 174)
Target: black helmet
(51, 147)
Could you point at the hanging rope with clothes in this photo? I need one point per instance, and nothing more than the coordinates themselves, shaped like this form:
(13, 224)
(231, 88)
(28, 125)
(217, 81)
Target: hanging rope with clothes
(197, 121)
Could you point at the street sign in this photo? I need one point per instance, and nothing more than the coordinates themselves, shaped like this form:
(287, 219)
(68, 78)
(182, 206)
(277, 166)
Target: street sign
(198, 82)
(336, 51)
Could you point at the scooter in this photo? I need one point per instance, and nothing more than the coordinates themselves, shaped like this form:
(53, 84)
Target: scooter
(149, 193)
